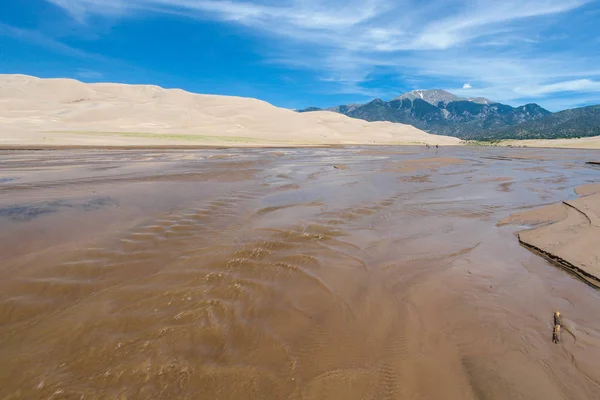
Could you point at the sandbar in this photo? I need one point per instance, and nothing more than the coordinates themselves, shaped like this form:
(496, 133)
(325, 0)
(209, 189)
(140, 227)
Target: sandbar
(567, 233)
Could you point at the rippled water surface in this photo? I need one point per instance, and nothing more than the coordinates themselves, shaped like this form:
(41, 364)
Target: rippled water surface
(357, 273)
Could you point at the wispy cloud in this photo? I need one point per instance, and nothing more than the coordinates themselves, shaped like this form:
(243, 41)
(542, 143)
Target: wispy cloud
(579, 85)
(88, 74)
(385, 25)
(498, 47)
(82, 64)
(40, 39)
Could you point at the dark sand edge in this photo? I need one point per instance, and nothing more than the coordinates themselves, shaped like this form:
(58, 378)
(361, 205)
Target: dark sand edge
(562, 263)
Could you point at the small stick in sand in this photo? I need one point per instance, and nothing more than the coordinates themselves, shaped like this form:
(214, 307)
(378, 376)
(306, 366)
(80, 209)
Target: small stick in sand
(557, 327)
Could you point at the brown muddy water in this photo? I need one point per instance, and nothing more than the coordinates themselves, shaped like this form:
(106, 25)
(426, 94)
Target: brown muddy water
(271, 274)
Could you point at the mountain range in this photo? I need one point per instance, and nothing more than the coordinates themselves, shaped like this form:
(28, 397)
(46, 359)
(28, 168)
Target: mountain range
(443, 113)
(437, 96)
(573, 123)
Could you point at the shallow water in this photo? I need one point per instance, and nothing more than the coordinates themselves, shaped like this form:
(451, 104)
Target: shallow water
(256, 273)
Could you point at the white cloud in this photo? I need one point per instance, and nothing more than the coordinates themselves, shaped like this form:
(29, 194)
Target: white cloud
(298, 14)
(79, 9)
(494, 45)
(483, 18)
(386, 25)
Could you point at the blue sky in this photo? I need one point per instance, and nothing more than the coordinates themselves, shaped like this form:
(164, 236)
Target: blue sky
(296, 53)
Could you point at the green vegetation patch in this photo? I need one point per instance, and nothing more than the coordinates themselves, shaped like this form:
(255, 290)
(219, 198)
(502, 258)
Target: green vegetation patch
(174, 136)
(484, 142)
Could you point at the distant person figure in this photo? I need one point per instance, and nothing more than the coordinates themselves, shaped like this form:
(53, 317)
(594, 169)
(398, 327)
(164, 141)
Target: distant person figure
(437, 146)
(427, 145)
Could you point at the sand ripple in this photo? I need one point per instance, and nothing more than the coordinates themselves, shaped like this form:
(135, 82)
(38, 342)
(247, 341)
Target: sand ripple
(222, 277)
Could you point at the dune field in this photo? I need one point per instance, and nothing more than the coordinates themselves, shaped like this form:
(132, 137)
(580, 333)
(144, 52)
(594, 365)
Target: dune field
(60, 112)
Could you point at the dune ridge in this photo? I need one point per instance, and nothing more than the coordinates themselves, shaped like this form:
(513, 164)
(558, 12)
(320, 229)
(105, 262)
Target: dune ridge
(68, 112)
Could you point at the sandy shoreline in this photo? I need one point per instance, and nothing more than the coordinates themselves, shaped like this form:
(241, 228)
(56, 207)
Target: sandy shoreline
(592, 143)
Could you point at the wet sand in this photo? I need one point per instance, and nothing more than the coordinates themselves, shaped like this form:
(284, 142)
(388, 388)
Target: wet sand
(261, 273)
(569, 233)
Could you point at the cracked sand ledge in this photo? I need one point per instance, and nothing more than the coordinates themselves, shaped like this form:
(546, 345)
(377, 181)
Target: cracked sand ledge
(567, 233)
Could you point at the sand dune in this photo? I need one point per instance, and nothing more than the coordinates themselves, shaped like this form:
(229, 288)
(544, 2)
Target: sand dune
(69, 112)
